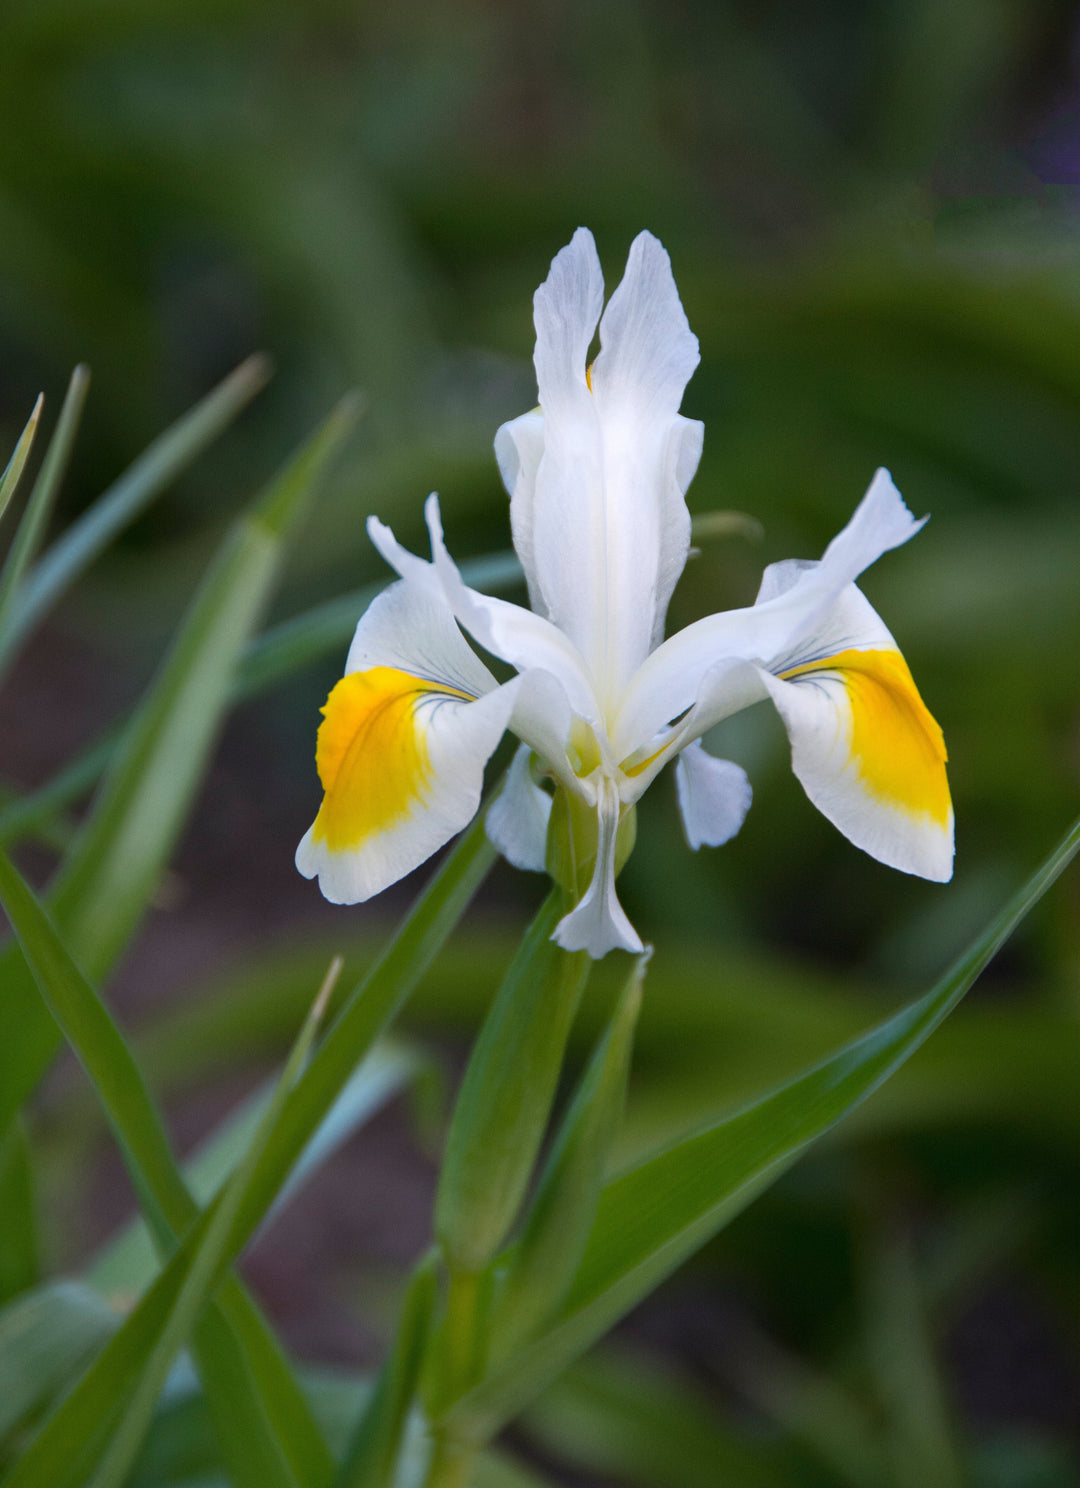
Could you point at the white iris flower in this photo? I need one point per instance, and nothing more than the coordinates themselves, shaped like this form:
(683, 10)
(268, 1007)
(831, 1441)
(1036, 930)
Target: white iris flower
(597, 476)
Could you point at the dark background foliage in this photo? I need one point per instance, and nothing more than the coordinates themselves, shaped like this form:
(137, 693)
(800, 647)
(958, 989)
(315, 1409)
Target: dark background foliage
(871, 210)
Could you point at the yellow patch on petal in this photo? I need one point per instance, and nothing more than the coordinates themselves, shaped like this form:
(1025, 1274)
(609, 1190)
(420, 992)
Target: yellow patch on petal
(896, 742)
(371, 754)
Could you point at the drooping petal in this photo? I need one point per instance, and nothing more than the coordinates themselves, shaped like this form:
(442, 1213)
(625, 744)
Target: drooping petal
(599, 518)
(669, 681)
(413, 630)
(517, 820)
(598, 923)
(402, 747)
(864, 746)
(402, 764)
(714, 797)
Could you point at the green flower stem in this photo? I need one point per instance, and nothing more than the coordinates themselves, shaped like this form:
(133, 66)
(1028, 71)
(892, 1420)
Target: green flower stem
(451, 1464)
(462, 1360)
(499, 1122)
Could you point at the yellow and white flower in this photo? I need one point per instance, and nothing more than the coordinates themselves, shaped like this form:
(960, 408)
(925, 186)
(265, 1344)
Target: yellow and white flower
(597, 476)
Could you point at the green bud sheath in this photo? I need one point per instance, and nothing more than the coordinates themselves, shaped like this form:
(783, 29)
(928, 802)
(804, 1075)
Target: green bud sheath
(505, 1100)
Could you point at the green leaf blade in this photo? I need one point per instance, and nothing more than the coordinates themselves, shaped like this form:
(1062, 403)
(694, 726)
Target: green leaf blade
(39, 507)
(372, 1456)
(208, 1261)
(45, 1335)
(368, 1011)
(21, 453)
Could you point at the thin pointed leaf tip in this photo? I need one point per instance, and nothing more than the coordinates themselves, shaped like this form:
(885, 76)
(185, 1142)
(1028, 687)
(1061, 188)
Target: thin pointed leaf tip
(601, 702)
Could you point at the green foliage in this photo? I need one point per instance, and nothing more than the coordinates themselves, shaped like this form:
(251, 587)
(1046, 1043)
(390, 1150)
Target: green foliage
(652, 1217)
(857, 209)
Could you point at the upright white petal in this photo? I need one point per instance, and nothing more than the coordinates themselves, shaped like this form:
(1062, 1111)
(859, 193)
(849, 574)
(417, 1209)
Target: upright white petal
(599, 518)
(648, 354)
(566, 309)
(714, 797)
(519, 447)
(517, 820)
(598, 923)
(670, 679)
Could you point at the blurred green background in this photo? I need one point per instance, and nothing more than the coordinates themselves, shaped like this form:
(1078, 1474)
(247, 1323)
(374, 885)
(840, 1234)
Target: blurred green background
(872, 214)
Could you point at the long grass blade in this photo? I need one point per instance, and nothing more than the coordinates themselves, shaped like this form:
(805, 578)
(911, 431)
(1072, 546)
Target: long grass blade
(132, 493)
(372, 1457)
(39, 507)
(45, 1336)
(21, 453)
(207, 1262)
(110, 875)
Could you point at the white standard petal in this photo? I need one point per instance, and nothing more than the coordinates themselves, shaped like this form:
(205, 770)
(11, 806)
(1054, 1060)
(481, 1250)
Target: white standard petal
(714, 797)
(401, 751)
(598, 923)
(668, 682)
(608, 529)
(566, 309)
(517, 820)
(648, 354)
(519, 446)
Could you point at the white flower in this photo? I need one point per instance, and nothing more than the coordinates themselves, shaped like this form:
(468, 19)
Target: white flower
(597, 476)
